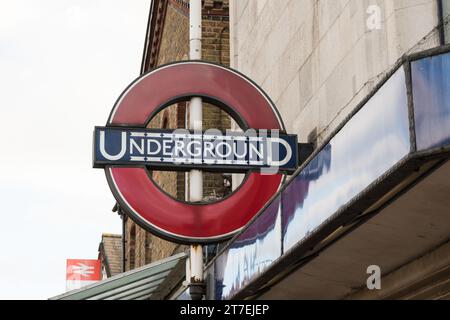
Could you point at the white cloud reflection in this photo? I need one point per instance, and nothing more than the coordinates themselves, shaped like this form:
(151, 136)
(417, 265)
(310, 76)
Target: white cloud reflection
(374, 140)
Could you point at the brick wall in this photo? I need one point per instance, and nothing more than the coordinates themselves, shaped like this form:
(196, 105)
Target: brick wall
(142, 247)
(110, 253)
(174, 47)
(215, 48)
(130, 245)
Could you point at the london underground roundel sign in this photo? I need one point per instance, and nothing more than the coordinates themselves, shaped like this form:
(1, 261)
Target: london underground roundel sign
(127, 151)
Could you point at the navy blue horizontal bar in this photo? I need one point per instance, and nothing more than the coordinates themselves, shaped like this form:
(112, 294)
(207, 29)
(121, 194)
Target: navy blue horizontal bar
(184, 150)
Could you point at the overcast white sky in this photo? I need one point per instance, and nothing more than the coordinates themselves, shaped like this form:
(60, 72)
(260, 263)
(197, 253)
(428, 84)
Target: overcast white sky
(63, 63)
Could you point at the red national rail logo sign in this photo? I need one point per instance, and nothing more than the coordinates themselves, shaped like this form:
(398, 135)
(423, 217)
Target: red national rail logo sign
(82, 272)
(132, 185)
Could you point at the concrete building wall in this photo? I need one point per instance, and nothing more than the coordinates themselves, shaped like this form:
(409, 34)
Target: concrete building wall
(317, 59)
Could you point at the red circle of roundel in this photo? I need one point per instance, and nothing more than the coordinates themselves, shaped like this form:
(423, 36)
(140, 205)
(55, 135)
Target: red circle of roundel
(155, 210)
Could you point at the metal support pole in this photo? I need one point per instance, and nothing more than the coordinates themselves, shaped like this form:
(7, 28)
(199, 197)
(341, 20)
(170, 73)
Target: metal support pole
(195, 31)
(196, 281)
(196, 286)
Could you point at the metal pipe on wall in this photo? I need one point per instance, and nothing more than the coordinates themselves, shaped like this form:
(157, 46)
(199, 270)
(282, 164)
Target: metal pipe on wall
(195, 106)
(196, 123)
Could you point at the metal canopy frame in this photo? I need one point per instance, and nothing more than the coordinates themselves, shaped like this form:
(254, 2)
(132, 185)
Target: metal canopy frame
(138, 284)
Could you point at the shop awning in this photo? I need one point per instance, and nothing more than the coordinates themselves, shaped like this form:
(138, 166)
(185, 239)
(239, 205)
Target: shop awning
(376, 192)
(138, 284)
